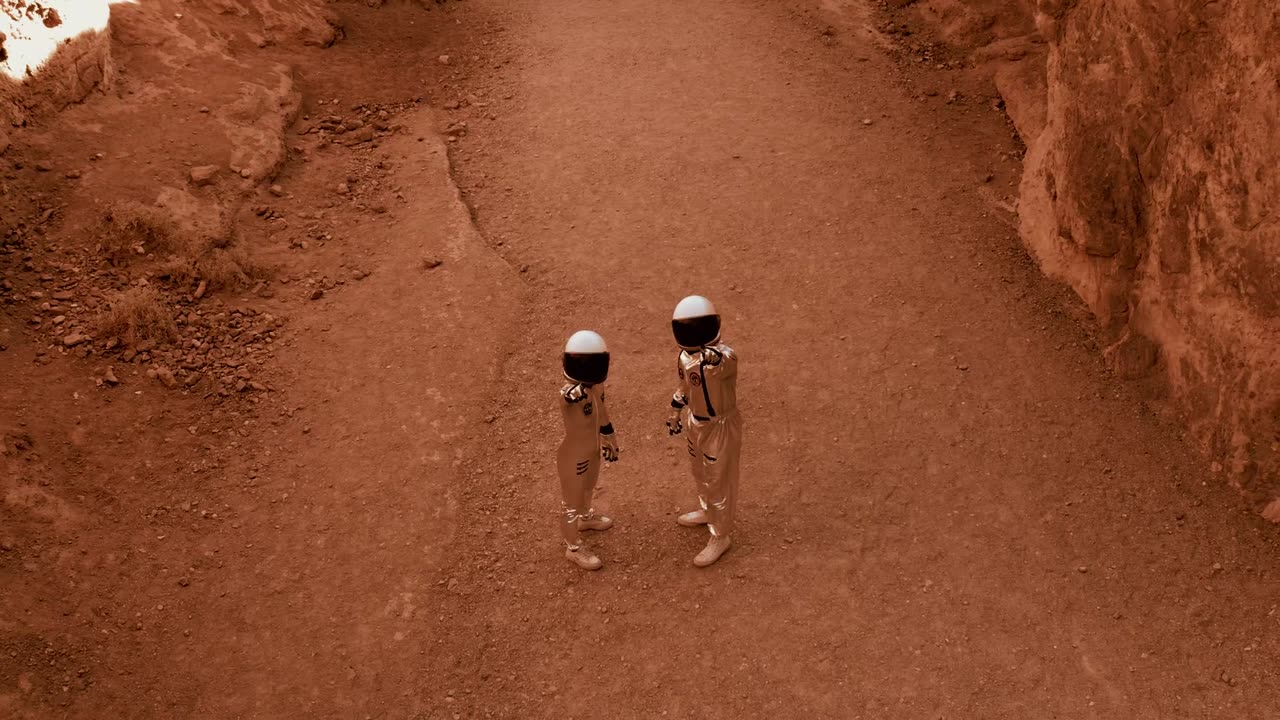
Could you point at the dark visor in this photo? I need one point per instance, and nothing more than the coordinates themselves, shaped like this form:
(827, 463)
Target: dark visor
(586, 368)
(696, 332)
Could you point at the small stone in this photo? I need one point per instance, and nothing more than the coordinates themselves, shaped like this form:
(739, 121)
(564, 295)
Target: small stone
(866, 121)
(73, 174)
(1082, 569)
(257, 386)
(201, 288)
(204, 110)
(74, 339)
(43, 167)
(165, 375)
(472, 99)
(277, 191)
(359, 274)
(204, 175)
(343, 188)
(444, 59)
(184, 582)
(64, 295)
(364, 134)
(452, 105)
(110, 377)
(431, 263)
(988, 177)
(246, 173)
(317, 293)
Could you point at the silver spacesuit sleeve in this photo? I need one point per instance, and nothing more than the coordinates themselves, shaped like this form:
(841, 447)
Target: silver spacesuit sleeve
(680, 397)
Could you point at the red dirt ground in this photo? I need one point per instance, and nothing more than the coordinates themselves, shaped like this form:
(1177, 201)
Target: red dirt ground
(948, 509)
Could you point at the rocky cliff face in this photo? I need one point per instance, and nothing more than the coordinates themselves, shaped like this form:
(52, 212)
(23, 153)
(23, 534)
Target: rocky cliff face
(1154, 189)
(1152, 186)
(52, 53)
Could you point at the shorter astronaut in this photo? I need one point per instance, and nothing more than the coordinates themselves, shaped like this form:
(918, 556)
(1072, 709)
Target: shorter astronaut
(705, 408)
(588, 437)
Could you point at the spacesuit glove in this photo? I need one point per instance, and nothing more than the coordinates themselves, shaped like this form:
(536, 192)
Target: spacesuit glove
(609, 447)
(710, 356)
(574, 393)
(674, 424)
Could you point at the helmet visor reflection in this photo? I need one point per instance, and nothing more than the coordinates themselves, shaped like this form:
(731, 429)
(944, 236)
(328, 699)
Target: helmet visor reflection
(586, 368)
(697, 331)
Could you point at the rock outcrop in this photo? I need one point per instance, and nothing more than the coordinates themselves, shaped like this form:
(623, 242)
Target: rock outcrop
(52, 53)
(1151, 186)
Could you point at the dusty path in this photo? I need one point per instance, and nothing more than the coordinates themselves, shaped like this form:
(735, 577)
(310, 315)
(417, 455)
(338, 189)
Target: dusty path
(946, 512)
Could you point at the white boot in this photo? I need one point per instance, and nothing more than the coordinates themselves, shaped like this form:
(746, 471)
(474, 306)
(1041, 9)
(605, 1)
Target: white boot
(595, 522)
(693, 519)
(716, 547)
(583, 558)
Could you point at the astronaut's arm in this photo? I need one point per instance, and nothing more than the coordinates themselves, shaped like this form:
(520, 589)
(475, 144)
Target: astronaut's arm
(720, 362)
(679, 399)
(608, 438)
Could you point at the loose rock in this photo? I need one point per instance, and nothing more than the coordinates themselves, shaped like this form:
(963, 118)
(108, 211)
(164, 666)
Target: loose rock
(165, 375)
(204, 175)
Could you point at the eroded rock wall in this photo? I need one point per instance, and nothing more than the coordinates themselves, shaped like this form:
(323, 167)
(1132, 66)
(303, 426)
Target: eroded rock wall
(1151, 185)
(1154, 190)
(52, 53)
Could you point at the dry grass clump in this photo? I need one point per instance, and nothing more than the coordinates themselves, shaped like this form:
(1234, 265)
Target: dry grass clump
(138, 315)
(214, 261)
(180, 256)
(133, 229)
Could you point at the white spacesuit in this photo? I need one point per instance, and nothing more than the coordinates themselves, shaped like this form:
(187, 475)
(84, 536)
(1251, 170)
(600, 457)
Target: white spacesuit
(588, 437)
(705, 407)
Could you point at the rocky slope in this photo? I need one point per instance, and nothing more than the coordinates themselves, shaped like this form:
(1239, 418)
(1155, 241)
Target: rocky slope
(1150, 188)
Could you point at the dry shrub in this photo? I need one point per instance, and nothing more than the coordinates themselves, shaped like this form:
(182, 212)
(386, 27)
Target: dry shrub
(213, 261)
(138, 315)
(134, 229)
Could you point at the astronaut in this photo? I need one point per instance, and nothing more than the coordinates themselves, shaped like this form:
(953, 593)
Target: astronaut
(705, 408)
(588, 437)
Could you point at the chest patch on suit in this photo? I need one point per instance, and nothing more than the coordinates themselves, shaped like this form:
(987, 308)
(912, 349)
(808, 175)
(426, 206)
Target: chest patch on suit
(695, 379)
(587, 408)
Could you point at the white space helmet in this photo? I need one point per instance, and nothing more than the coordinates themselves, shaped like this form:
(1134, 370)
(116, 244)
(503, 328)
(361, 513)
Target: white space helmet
(695, 323)
(586, 358)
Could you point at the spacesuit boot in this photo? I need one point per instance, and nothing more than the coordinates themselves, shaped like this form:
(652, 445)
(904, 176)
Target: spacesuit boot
(716, 546)
(583, 558)
(595, 522)
(693, 519)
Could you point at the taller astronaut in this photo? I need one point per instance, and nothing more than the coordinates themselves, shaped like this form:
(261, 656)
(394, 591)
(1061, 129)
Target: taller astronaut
(588, 437)
(705, 408)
